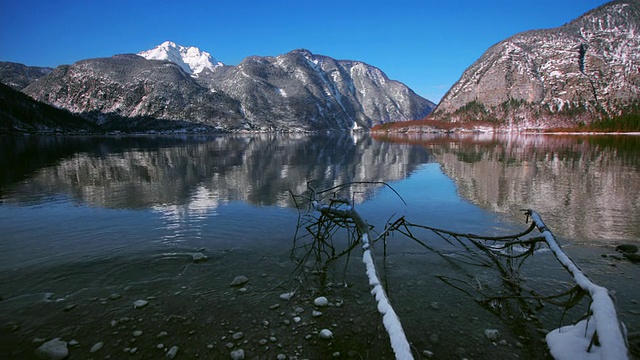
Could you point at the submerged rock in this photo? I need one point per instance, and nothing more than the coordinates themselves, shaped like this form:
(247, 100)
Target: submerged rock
(325, 334)
(237, 354)
(140, 304)
(321, 301)
(239, 280)
(627, 248)
(96, 347)
(634, 258)
(172, 352)
(55, 349)
(198, 257)
(492, 334)
(428, 354)
(287, 296)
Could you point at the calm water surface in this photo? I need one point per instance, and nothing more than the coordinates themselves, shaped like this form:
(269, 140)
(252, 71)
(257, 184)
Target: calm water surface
(89, 225)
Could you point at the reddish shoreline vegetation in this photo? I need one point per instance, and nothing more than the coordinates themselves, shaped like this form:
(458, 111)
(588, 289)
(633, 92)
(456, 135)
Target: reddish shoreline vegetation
(618, 124)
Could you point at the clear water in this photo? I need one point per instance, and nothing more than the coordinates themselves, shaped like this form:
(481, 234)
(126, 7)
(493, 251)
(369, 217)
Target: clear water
(85, 218)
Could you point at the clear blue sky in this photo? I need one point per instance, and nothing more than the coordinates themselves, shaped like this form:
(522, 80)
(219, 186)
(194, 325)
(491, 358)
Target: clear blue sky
(424, 44)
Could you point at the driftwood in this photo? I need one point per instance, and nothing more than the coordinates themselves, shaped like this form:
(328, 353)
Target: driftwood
(609, 332)
(343, 211)
(326, 214)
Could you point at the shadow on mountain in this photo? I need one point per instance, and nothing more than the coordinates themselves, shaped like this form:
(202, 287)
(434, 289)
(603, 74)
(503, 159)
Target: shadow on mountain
(21, 114)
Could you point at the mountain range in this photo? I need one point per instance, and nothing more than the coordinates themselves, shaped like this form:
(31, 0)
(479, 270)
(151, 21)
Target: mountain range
(172, 87)
(584, 71)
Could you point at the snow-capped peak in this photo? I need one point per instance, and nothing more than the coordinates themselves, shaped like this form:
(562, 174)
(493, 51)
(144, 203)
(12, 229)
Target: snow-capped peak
(190, 58)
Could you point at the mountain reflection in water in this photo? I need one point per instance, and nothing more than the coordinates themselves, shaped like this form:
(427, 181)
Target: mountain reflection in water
(92, 224)
(199, 172)
(587, 187)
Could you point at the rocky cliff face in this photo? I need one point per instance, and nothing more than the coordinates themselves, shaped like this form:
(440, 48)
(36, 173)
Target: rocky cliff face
(584, 70)
(294, 91)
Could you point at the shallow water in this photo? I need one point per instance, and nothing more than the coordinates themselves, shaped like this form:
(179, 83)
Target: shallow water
(85, 218)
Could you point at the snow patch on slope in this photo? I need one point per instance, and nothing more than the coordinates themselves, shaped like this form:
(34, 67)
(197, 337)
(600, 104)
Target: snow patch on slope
(191, 59)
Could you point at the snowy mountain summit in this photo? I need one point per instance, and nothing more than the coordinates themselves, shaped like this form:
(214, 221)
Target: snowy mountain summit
(193, 60)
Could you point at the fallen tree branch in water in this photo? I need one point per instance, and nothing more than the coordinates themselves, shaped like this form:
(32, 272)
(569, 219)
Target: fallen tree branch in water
(343, 209)
(607, 330)
(503, 295)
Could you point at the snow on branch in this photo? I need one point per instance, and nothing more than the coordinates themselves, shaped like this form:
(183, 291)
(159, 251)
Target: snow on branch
(390, 320)
(600, 336)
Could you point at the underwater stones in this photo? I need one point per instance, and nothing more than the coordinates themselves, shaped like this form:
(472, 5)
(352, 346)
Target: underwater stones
(237, 354)
(287, 295)
(140, 304)
(325, 334)
(172, 352)
(321, 301)
(492, 334)
(239, 280)
(96, 347)
(55, 349)
(627, 248)
(198, 257)
(634, 258)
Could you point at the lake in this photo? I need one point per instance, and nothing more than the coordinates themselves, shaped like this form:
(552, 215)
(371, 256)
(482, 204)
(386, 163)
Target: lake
(89, 225)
